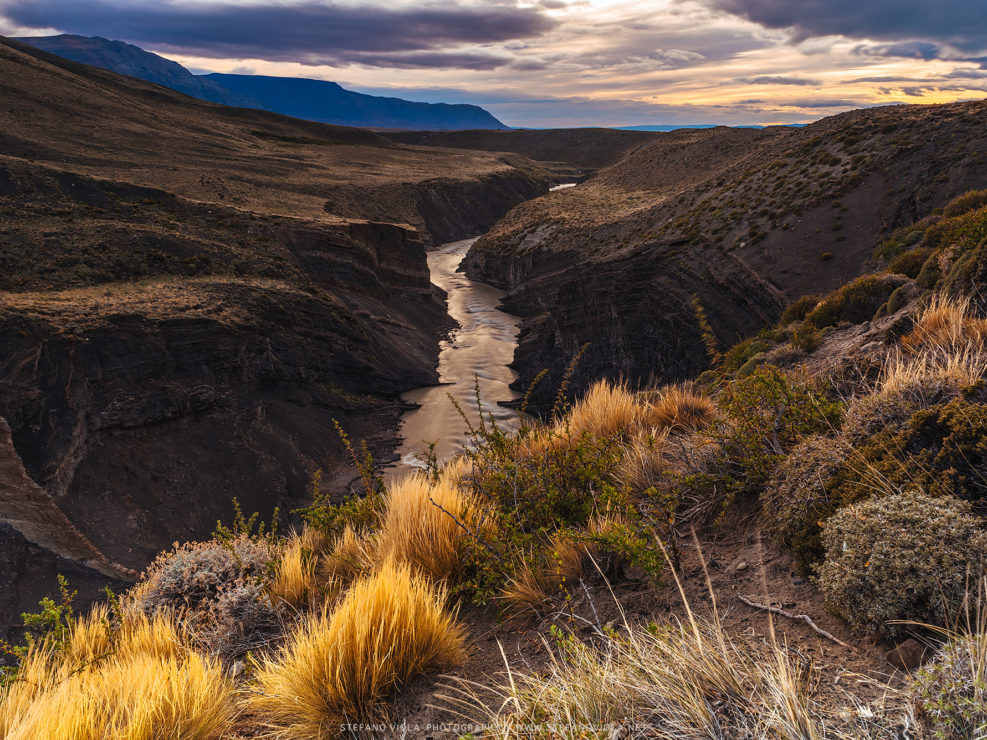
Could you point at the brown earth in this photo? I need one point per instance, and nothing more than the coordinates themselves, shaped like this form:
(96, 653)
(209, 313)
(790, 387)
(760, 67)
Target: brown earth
(584, 149)
(740, 220)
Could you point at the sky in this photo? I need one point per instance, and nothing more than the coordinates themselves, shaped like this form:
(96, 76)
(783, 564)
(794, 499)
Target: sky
(546, 63)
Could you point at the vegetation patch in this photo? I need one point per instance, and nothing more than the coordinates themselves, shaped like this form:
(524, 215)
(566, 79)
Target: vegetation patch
(907, 556)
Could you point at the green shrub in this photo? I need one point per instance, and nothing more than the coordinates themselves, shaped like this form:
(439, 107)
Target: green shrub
(806, 337)
(941, 449)
(738, 355)
(907, 556)
(797, 498)
(900, 298)
(911, 262)
(769, 412)
(868, 415)
(533, 486)
(951, 691)
(798, 309)
(856, 301)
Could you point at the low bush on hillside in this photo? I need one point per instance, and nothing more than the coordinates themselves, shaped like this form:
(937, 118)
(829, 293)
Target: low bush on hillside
(798, 498)
(951, 691)
(907, 556)
(798, 309)
(941, 449)
(220, 588)
(768, 413)
(855, 302)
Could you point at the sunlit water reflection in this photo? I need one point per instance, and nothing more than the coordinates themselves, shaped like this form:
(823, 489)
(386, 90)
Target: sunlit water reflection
(480, 349)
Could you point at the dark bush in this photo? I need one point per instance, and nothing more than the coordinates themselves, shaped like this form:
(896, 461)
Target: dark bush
(798, 309)
(910, 263)
(797, 498)
(855, 302)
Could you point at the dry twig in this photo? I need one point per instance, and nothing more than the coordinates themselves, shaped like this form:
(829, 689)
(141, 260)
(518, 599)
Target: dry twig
(797, 617)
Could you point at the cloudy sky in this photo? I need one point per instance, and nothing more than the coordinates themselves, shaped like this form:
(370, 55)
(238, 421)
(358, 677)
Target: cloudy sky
(569, 62)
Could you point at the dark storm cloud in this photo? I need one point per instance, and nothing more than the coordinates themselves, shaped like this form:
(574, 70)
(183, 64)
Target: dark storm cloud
(310, 32)
(769, 80)
(961, 24)
(907, 49)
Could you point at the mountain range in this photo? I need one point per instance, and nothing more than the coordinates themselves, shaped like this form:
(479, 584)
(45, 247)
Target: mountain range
(312, 100)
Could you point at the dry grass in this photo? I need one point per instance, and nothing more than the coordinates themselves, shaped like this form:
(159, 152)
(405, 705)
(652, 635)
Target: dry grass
(678, 681)
(645, 461)
(418, 532)
(606, 409)
(679, 407)
(963, 366)
(139, 685)
(93, 639)
(351, 555)
(294, 581)
(336, 667)
(946, 323)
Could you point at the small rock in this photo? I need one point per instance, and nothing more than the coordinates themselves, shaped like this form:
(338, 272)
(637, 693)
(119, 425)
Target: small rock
(908, 655)
(741, 566)
(798, 582)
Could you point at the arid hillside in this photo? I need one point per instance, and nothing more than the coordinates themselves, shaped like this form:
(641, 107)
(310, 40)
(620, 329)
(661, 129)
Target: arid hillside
(719, 226)
(585, 149)
(189, 296)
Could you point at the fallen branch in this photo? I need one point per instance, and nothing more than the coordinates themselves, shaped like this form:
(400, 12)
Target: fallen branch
(797, 617)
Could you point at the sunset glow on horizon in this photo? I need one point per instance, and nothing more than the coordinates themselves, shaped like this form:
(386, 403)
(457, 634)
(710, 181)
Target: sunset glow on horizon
(569, 62)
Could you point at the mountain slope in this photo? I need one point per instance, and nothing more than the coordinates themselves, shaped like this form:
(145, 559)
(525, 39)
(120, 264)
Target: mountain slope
(132, 61)
(191, 294)
(736, 221)
(313, 100)
(327, 102)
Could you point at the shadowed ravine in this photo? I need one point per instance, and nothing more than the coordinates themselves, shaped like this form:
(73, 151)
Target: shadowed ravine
(480, 349)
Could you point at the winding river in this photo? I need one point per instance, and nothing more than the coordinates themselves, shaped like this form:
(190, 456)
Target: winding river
(480, 349)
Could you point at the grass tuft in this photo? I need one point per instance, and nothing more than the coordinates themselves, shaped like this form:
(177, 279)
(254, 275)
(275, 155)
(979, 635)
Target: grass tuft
(338, 666)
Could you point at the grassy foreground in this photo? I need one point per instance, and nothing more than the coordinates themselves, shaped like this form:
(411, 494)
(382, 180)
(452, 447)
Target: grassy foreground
(856, 430)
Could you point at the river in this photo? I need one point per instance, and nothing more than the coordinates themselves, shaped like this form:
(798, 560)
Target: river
(481, 348)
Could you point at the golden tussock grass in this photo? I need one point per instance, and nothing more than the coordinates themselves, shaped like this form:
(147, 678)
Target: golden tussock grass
(352, 554)
(92, 639)
(338, 666)
(143, 688)
(962, 366)
(418, 532)
(946, 323)
(644, 461)
(679, 407)
(294, 580)
(606, 409)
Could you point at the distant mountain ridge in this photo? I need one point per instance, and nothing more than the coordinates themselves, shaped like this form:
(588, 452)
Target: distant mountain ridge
(313, 100)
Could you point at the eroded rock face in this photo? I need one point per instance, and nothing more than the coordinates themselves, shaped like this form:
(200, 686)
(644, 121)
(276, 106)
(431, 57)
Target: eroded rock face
(635, 312)
(143, 414)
